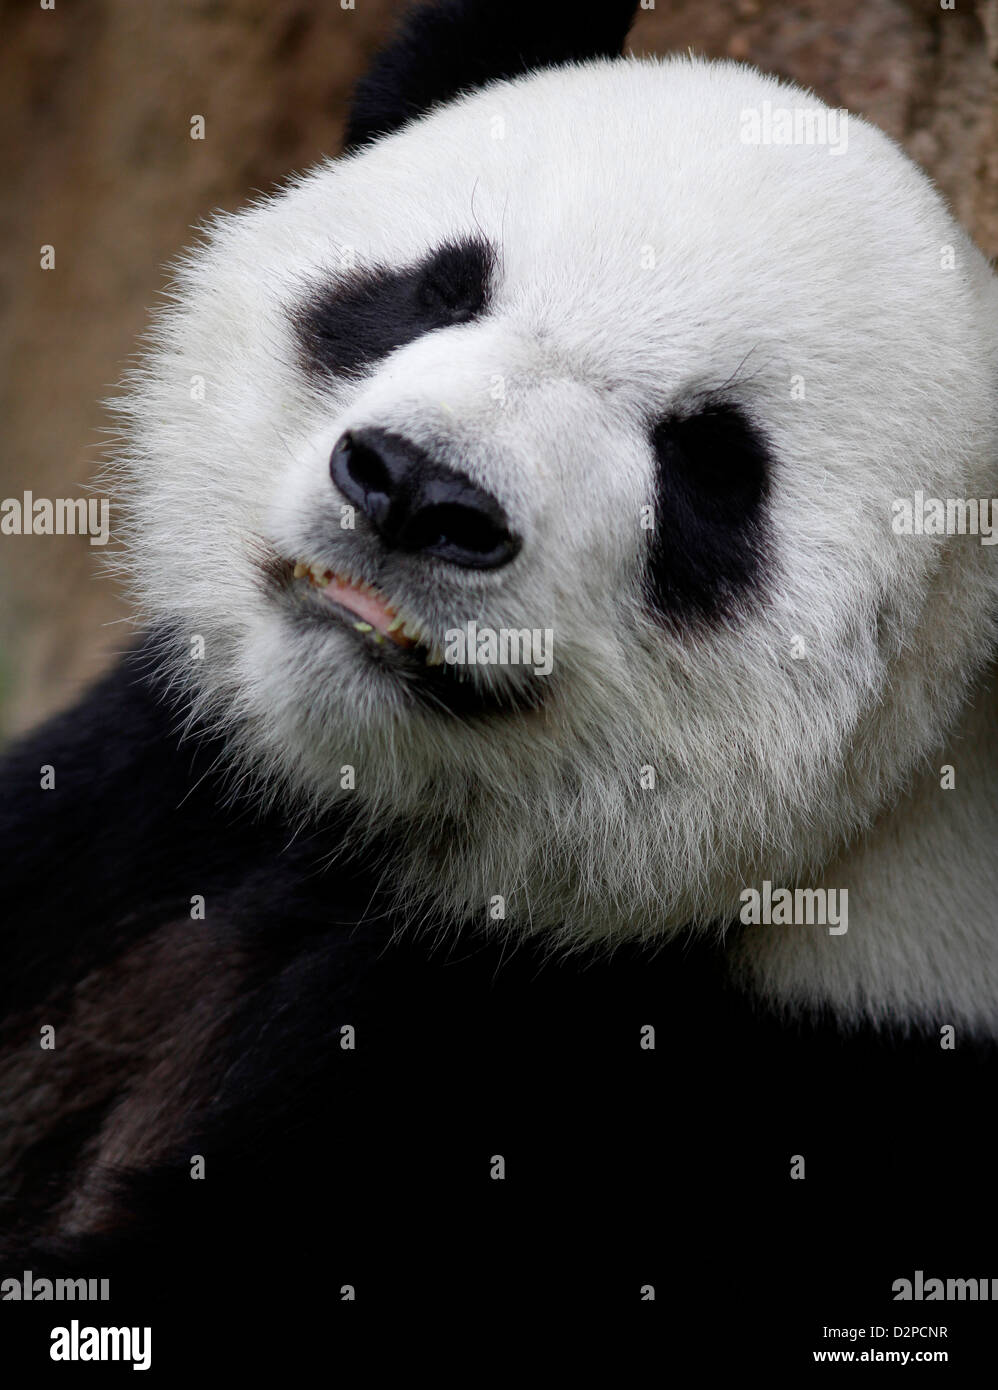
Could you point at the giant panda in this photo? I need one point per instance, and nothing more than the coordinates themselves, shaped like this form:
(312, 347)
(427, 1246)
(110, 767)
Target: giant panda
(388, 975)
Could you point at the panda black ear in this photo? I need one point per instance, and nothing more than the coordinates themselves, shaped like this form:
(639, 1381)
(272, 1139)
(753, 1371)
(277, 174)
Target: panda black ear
(449, 46)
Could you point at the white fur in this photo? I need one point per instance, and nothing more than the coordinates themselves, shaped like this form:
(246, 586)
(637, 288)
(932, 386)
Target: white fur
(770, 262)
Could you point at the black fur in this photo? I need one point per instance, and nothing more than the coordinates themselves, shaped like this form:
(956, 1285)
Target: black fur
(327, 1167)
(451, 46)
(125, 822)
(708, 543)
(346, 327)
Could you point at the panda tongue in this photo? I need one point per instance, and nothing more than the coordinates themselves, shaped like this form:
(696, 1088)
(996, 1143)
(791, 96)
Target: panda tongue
(367, 606)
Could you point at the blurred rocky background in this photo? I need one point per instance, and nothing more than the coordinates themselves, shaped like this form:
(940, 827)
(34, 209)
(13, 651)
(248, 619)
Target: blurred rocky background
(96, 98)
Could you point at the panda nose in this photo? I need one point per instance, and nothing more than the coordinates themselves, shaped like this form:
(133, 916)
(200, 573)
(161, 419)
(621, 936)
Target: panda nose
(419, 505)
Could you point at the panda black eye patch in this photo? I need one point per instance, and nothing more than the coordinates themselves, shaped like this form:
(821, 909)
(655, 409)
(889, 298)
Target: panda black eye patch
(347, 326)
(708, 543)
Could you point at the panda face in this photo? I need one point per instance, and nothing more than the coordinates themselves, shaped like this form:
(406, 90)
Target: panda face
(568, 356)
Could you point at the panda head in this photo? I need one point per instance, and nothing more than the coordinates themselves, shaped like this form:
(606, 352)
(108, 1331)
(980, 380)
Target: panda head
(572, 354)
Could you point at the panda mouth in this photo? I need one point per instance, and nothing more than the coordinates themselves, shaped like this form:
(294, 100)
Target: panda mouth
(395, 639)
(368, 612)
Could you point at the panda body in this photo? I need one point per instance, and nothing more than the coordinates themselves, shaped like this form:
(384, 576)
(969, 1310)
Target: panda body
(393, 1088)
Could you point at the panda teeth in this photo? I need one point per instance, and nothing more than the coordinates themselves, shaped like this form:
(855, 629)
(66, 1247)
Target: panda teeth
(400, 627)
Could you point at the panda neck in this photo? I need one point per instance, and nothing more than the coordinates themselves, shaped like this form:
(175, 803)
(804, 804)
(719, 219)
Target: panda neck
(921, 949)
